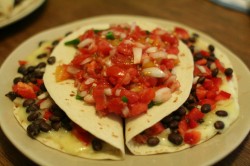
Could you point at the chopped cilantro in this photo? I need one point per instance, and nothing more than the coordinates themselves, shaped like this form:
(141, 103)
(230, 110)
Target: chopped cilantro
(78, 97)
(97, 31)
(151, 104)
(124, 99)
(110, 36)
(73, 42)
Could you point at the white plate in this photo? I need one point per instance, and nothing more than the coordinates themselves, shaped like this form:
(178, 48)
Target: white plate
(204, 154)
(22, 10)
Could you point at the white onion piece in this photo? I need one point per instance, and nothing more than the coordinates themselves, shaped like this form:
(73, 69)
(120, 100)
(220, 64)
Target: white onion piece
(123, 35)
(213, 66)
(137, 52)
(170, 80)
(133, 25)
(89, 81)
(201, 68)
(153, 72)
(89, 99)
(108, 62)
(128, 42)
(18, 101)
(159, 55)
(46, 103)
(139, 45)
(43, 95)
(72, 70)
(118, 92)
(195, 79)
(162, 95)
(172, 56)
(82, 93)
(108, 91)
(85, 42)
(151, 49)
(87, 60)
(125, 111)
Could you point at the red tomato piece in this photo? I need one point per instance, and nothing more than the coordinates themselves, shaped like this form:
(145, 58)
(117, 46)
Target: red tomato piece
(116, 105)
(141, 139)
(147, 95)
(192, 137)
(22, 62)
(219, 65)
(100, 99)
(201, 93)
(82, 134)
(132, 97)
(222, 96)
(172, 40)
(208, 101)
(155, 129)
(47, 114)
(202, 61)
(168, 63)
(24, 90)
(137, 109)
(195, 114)
(205, 53)
(78, 59)
(183, 126)
(181, 33)
(103, 47)
(192, 124)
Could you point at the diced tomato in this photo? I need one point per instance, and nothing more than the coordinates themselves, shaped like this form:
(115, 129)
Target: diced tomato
(61, 73)
(137, 109)
(116, 105)
(219, 65)
(201, 93)
(208, 101)
(209, 85)
(205, 53)
(88, 34)
(202, 61)
(217, 81)
(181, 33)
(103, 47)
(137, 33)
(141, 139)
(172, 40)
(222, 96)
(125, 49)
(100, 99)
(195, 114)
(22, 62)
(24, 90)
(147, 95)
(183, 126)
(211, 95)
(132, 97)
(192, 137)
(115, 71)
(47, 114)
(155, 129)
(192, 124)
(169, 63)
(82, 134)
(78, 59)
(39, 82)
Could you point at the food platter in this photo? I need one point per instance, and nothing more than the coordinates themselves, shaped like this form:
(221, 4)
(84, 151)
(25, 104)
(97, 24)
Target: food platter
(20, 11)
(213, 150)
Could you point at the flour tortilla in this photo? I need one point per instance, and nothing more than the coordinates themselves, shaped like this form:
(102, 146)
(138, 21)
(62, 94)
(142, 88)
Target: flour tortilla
(206, 129)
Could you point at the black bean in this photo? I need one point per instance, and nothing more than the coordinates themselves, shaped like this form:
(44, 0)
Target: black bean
(195, 35)
(191, 99)
(221, 113)
(42, 55)
(228, 72)
(215, 72)
(153, 141)
(205, 108)
(43, 88)
(38, 121)
(22, 70)
(33, 130)
(57, 111)
(55, 42)
(31, 69)
(11, 95)
(17, 79)
(192, 39)
(211, 58)
(97, 145)
(201, 80)
(209, 63)
(51, 60)
(54, 118)
(177, 117)
(41, 65)
(68, 33)
(40, 43)
(38, 74)
(211, 48)
(175, 131)
(219, 125)
(28, 102)
(191, 48)
(32, 108)
(189, 106)
(166, 120)
(181, 111)
(45, 127)
(67, 125)
(56, 125)
(175, 138)
(26, 78)
(173, 124)
(198, 56)
(200, 121)
(33, 116)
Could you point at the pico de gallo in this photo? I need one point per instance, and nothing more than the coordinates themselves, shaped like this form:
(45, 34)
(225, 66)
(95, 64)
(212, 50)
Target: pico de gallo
(123, 70)
(205, 94)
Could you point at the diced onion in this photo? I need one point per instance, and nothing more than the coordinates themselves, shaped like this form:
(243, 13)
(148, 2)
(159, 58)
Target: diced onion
(153, 72)
(140, 45)
(118, 92)
(89, 99)
(125, 111)
(46, 103)
(158, 55)
(108, 91)
(82, 93)
(151, 49)
(172, 56)
(137, 51)
(43, 95)
(162, 95)
(87, 60)
(72, 70)
(18, 101)
(195, 79)
(201, 68)
(85, 42)
(128, 42)
(89, 81)
(213, 66)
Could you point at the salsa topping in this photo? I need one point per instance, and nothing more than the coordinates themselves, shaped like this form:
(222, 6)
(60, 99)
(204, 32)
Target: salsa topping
(123, 70)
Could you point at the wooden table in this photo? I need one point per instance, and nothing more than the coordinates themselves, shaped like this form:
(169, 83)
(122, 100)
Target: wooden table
(229, 27)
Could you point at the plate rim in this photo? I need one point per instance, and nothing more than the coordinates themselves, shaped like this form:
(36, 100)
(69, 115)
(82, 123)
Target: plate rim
(79, 22)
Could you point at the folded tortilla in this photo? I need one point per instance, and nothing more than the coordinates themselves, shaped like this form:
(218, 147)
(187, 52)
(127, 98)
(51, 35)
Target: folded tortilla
(207, 129)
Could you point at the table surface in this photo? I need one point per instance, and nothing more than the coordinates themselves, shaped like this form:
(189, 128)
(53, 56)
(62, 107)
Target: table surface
(231, 28)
